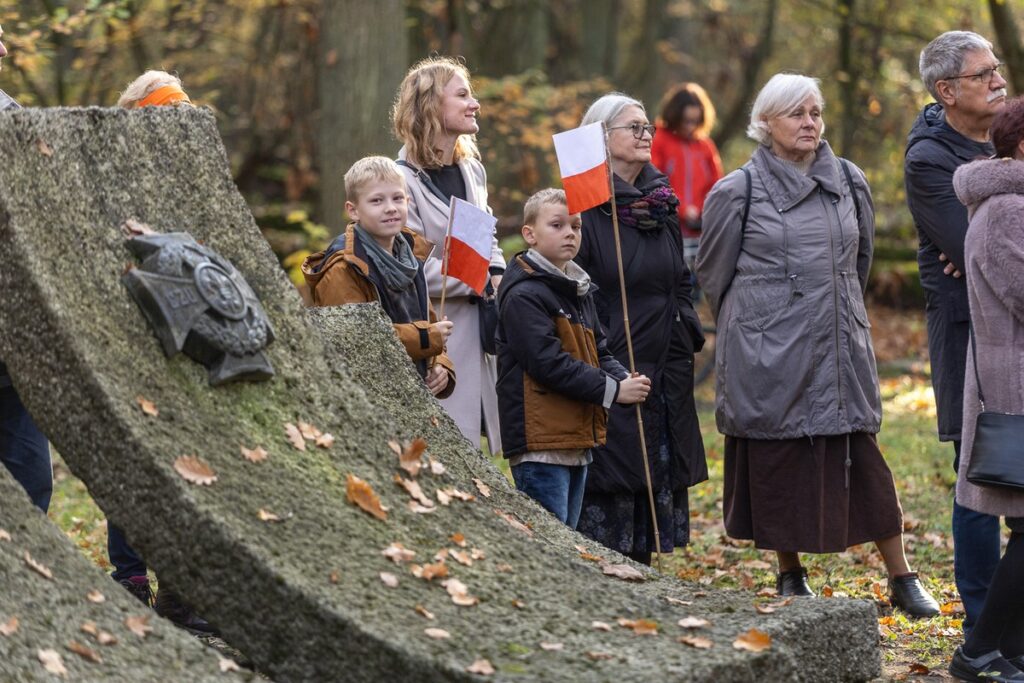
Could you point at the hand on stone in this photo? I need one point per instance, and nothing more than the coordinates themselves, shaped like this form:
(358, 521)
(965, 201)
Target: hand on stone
(436, 379)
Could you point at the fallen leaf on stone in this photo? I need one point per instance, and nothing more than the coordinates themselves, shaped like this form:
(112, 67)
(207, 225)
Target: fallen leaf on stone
(441, 555)
(436, 468)
(764, 609)
(37, 567)
(462, 557)
(477, 554)
(4, 535)
(227, 665)
(519, 604)
(458, 539)
(480, 667)
(133, 228)
(361, 494)
(294, 436)
(253, 454)
(89, 627)
(104, 638)
(429, 572)
(389, 579)
(334, 577)
(96, 597)
(421, 509)
(9, 627)
(44, 148)
(52, 662)
(677, 601)
(590, 557)
(600, 626)
(424, 612)
(462, 495)
(599, 655)
(552, 647)
(438, 633)
(324, 441)
(398, 553)
(396, 447)
(308, 431)
(433, 420)
(267, 516)
(753, 640)
(700, 594)
(696, 641)
(459, 593)
(514, 523)
(641, 627)
(443, 497)
(410, 458)
(693, 622)
(483, 488)
(622, 571)
(138, 625)
(148, 407)
(194, 470)
(84, 652)
(918, 669)
(766, 593)
(413, 489)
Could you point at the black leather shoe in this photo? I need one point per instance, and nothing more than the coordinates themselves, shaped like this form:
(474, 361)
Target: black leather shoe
(988, 667)
(138, 586)
(170, 607)
(793, 582)
(907, 593)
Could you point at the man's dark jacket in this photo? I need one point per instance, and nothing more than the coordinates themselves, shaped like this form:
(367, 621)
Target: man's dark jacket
(934, 151)
(553, 362)
(6, 103)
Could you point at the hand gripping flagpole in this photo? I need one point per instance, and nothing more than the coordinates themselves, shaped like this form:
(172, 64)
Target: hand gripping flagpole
(629, 350)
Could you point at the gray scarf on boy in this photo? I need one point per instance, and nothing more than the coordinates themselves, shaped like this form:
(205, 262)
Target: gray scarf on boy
(398, 268)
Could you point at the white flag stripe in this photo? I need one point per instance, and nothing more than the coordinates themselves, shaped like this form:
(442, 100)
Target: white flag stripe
(580, 149)
(473, 226)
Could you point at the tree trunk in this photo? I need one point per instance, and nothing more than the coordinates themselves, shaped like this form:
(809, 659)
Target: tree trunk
(600, 37)
(640, 73)
(1008, 37)
(848, 78)
(506, 38)
(362, 59)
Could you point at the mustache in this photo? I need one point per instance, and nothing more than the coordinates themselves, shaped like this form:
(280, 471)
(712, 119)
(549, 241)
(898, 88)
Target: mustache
(996, 95)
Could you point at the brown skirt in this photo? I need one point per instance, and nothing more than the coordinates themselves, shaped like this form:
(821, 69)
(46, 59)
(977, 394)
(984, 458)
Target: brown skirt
(797, 495)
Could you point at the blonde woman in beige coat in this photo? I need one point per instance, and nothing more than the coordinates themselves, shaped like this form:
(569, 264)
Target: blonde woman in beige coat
(435, 118)
(993, 191)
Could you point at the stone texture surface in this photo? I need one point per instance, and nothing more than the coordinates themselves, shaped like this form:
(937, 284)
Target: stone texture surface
(50, 612)
(304, 597)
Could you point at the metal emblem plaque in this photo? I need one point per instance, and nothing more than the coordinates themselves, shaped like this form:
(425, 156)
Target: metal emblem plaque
(198, 303)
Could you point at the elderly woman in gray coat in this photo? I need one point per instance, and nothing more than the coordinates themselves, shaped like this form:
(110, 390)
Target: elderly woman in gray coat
(993, 191)
(797, 390)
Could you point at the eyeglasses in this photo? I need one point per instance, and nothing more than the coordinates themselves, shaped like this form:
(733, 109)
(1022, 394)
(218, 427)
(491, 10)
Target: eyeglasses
(983, 76)
(638, 129)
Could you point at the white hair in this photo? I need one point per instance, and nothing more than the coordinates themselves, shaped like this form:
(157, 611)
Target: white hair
(608, 107)
(780, 95)
(944, 56)
(138, 89)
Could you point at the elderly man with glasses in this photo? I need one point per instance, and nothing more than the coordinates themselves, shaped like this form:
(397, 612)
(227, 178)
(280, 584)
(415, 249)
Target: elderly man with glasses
(962, 74)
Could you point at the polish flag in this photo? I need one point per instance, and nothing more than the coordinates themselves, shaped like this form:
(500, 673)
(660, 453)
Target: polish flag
(470, 238)
(583, 162)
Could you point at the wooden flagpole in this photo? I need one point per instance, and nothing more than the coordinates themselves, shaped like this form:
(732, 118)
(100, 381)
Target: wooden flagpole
(445, 254)
(629, 350)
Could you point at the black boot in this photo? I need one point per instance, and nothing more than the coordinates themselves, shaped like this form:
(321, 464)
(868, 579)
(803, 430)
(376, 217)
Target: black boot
(988, 667)
(139, 587)
(170, 606)
(907, 593)
(793, 582)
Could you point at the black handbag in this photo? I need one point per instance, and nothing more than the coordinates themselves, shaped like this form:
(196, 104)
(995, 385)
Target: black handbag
(997, 454)
(488, 319)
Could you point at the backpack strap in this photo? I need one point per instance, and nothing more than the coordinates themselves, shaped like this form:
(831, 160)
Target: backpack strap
(853, 188)
(746, 203)
(424, 178)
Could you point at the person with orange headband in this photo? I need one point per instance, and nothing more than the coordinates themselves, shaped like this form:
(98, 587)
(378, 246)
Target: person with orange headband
(153, 88)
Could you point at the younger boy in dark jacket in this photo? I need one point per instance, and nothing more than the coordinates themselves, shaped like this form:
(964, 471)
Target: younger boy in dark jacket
(378, 259)
(556, 377)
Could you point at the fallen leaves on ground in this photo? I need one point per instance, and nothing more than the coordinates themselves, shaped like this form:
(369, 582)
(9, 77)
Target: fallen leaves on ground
(622, 571)
(461, 495)
(826, 591)
(437, 633)
(414, 490)
(134, 227)
(458, 539)
(918, 669)
(481, 667)
(596, 656)
(410, 455)
(84, 652)
(424, 612)
(483, 488)
(9, 627)
(436, 467)
(257, 454)
(359, 493)
(194, 470)
(514, 523)
(334, 577)
(953, 607)
(753, 640)
(421, 509)
(389, 579)
(37, 567)
(696, 641)
(641, 627)
(552, 647)
(600, 626)
(459, 593)
(267, 516)
(324, 441)
(227, 665)
(398, 553)
(443, 497)
(52, 662)
(96, 597)
(148, 407)
(44, 148)
(294, 436)
(308, 431)
(429, 572)
(5, 535)
(693, 622)
(102, 637)
(462, 557)
(139, 625)
(677, 601)
(518, 604)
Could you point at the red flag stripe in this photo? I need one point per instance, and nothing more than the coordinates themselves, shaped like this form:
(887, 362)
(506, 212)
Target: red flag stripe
(588, 189)
(467, 265)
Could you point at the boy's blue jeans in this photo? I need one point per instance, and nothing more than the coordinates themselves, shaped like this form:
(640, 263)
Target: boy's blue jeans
(24, 450)
(559, 488)
(126, 561)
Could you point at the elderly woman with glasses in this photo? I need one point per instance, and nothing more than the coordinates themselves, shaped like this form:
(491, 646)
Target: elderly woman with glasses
(784, 261)
(665, 333)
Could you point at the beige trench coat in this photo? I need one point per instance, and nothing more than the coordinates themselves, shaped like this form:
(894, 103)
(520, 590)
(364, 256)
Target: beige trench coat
(477, 371)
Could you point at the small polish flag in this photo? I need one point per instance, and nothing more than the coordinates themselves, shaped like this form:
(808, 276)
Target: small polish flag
(583, 162)
(470, 238)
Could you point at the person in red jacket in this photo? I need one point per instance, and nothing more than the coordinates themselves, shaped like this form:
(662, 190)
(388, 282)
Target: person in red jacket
(684, 152)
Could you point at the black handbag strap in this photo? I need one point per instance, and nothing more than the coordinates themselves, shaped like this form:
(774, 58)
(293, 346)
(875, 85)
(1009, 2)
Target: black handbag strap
(974, 362)
(424, 178)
